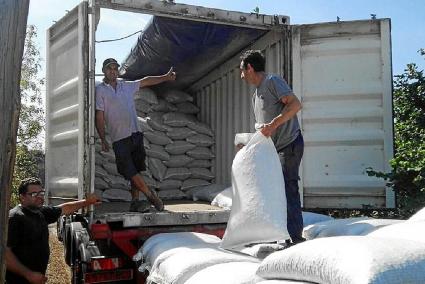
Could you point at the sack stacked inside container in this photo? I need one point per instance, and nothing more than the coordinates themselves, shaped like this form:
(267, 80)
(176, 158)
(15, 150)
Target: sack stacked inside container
(178, 147)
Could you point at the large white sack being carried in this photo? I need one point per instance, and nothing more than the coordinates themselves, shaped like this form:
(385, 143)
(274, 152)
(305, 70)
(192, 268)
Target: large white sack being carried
(414, 231)
(359, 226)
(349, 260)
(259, 203)
(226, 273)
(179, 267)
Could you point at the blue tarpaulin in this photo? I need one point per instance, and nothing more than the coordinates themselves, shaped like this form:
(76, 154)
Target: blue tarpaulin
(193, 48)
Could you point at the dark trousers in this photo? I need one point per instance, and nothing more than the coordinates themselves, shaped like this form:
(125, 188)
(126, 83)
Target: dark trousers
(290, 159)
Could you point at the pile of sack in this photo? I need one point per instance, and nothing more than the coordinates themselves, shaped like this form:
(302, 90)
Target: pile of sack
(179, 149)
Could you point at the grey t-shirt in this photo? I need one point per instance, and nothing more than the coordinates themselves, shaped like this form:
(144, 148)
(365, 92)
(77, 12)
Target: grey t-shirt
(267, 104)
(118, 106)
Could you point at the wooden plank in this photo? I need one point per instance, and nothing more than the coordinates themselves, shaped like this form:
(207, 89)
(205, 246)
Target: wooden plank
(13, 21)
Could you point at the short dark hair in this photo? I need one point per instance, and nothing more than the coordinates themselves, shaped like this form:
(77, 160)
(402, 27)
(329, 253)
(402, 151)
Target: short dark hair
(255, 58)
(23, 187)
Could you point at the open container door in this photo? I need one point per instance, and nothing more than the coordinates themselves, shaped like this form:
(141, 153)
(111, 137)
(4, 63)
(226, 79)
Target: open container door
(342, 72)
(67, 107)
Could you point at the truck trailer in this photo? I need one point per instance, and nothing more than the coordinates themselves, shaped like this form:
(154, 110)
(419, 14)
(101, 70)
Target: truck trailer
(341, 72)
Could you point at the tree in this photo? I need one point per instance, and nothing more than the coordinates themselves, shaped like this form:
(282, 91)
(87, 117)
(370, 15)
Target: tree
(407, 177)
(31, 117)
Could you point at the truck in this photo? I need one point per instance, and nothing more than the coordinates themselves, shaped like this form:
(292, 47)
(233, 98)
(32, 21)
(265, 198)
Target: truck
(341, 72)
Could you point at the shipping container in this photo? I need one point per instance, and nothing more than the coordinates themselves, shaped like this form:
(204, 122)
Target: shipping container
(340, 71)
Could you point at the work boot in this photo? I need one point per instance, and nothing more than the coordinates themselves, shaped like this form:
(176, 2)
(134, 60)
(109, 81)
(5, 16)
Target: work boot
(155, 200)
(139, 206)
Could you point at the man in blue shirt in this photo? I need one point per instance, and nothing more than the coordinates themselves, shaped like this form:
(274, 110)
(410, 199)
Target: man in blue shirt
(115, 107)
(275, 109)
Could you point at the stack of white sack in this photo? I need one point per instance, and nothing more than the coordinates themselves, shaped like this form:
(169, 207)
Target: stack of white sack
(179, 148)
(179, 257)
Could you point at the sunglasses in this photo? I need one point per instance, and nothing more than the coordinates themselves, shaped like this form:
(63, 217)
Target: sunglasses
(36, 194)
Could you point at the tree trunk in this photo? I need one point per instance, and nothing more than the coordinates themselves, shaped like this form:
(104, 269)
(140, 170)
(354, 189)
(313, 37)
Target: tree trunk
(13, 22)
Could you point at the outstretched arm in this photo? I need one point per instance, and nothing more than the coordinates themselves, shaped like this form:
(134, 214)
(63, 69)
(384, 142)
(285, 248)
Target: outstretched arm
(15, 266)
(71, 207)
(155, 80)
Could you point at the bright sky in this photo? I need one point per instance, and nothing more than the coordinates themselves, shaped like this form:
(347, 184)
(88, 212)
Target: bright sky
(407, 20)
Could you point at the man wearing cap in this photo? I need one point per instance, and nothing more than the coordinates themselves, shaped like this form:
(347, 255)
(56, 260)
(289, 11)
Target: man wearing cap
(115, 107)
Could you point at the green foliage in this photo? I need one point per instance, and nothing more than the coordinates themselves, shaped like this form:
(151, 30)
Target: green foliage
(31, 117)
(407, 177)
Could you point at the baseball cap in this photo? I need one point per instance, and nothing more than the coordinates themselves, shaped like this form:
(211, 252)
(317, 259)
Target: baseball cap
(108, 62)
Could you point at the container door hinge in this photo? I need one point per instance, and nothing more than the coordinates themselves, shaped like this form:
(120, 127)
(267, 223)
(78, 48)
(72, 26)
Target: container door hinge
(91, 74)
(92, 140)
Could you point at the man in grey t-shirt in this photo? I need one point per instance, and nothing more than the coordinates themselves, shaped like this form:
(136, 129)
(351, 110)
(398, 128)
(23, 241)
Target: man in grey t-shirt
(115, 107)
(275, 109)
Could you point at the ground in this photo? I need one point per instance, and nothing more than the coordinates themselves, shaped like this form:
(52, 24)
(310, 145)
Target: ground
(58, 271)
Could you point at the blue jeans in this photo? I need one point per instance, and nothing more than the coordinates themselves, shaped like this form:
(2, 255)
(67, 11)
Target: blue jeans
(290, 159)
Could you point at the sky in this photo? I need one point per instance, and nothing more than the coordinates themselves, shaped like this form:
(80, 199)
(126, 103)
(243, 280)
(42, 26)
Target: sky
(407, 22)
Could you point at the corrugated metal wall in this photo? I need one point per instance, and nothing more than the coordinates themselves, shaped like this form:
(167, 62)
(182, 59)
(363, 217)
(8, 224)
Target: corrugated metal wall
(225, 101)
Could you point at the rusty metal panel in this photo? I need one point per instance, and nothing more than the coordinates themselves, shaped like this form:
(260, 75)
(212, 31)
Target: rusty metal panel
(225, 101)
(342, 72)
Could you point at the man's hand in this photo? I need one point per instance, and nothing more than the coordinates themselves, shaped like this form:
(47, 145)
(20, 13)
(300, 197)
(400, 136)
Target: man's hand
(36, 278)
(268, 129)
(105, 146)
(171, 75)
(92, 199)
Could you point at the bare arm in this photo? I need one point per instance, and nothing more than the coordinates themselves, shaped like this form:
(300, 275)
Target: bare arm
(15, 266)
(71, 207)
(155, 80)
(100, 126)
(292, 106)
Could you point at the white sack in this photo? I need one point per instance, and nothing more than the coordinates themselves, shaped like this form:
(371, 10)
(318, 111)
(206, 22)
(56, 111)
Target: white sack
(349, 260)
(100, 183)
(146, 95)
(226, 273)
(200, 140)
(418, 216)
(155, 120)
(359, 226)
(282, 281)
(258, 212)
(179, 133)
(143, 124)
(164, 106)
(176, 96)
(169, 184)
(243, 138)
(157, 151)
(201, 128)
(199, 164)
(115, 194)
(223, 199)
(312, 218)
(157, 168)
(157, 137)
(177, 119)
(205, 193)
(176, 161)
(187, 107)
(179, 267)
(201, 173)
(200, 153)
(193, 182)
(414, 231)
(179, 147)
(177, 173)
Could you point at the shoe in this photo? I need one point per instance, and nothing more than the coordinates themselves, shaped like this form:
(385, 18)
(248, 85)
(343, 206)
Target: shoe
(139, 206)
(155, 200)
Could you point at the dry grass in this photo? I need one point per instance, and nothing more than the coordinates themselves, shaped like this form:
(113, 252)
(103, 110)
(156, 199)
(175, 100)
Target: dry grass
(58, 271)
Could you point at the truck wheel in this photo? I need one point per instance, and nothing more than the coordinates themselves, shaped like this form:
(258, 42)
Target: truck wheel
(69, 243)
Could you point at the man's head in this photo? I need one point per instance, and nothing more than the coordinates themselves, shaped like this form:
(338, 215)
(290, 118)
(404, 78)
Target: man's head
(110, 69)
(31, 193)
(252, 62)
